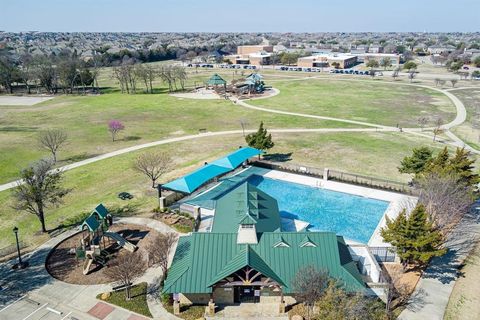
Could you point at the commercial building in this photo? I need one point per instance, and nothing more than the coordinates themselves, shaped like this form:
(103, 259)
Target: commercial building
(341, 61)
(257, 55)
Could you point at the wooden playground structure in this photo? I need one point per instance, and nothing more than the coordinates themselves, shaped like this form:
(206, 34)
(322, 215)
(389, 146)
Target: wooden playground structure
(96, 238)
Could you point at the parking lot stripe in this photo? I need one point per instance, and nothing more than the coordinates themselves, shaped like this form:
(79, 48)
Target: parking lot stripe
(6, 307)
(66, 315)
(31, 314)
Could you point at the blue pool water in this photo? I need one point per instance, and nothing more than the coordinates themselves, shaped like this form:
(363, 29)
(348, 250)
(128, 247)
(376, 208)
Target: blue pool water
(351, 216)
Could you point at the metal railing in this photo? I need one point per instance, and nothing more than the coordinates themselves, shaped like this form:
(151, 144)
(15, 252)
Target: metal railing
(293, 168)
(337, 175)
(383, 254)
(370, 181)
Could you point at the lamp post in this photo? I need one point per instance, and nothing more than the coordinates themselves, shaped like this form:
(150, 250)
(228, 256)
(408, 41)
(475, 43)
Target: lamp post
(20, 264)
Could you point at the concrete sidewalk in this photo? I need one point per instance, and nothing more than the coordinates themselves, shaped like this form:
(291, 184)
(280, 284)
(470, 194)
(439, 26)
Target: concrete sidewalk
(35, 284)
(430, 299)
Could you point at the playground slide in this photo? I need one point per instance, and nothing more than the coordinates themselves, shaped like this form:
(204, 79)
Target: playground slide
(86, 265)
(121, 241)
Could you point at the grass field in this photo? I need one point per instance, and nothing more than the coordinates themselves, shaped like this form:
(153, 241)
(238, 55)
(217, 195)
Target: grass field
(376, 154)
(368, 101)
(469, 131)
(146, 117)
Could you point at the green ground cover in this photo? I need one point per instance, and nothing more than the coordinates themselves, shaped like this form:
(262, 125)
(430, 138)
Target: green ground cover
(146, 117)
(138, 302)
(376, 154)
(368, 101)
(469, 131)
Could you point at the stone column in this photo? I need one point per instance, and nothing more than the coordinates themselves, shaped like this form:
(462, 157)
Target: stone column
(282, 303)
(176, 307)
(325, 174)
(211, 308)
(162, 202)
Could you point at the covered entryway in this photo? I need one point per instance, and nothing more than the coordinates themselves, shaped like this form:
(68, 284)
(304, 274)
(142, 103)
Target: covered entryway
(246, 294)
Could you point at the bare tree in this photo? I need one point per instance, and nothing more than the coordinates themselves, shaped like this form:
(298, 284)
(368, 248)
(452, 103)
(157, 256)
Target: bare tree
(159, 249)
(398, 290)
(453, 82)
(422, 121)
(438, 128)
(309, 284)
(447, 199)
(412, 74)
(395, 73)
(243, 124)
(437, 81)
(125, 269)
(153, 165)
(52, 140)
(39, 189)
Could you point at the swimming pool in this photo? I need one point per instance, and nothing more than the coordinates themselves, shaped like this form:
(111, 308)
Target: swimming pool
(351, 216)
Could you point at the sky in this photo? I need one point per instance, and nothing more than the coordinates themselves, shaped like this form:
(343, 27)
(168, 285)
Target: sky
(240, 16)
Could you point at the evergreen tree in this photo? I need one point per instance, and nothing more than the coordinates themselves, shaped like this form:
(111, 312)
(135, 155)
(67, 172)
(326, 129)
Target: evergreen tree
(415, 238)
(439, 163)
(417, 161)
(261, 139)
(461, 164)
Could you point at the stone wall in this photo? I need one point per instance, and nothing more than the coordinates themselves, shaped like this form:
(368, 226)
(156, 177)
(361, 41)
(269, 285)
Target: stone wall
(194, 298)
(223, 295)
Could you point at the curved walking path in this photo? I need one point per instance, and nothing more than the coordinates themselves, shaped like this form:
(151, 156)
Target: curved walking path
(40, 286)
(37, 277)
(12, 184)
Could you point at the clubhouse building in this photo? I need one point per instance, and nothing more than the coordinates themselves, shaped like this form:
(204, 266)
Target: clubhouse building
(247, 255)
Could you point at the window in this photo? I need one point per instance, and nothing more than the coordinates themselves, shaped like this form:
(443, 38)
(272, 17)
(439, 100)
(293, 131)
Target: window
(246, 226)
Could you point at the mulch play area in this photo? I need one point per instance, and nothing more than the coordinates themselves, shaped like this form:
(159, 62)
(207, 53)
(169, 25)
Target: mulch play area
(63, 265)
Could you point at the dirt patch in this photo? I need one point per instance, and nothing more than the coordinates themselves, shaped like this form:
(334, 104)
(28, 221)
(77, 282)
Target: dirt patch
(63, 265)
(21, 101)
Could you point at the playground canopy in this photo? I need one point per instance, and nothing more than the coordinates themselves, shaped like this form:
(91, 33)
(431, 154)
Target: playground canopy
(216, 80)
(191, 182)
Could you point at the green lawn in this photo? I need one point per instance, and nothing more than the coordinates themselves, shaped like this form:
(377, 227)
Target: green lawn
(137, 304)
(469, 131)
(376, 154)
(146, 118)
(368, 101)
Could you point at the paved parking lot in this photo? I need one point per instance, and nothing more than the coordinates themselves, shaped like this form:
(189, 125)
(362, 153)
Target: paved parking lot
(33, 309)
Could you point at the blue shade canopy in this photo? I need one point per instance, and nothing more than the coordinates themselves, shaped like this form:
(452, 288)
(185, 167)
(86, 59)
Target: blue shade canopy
(192, 181)
(236, 158)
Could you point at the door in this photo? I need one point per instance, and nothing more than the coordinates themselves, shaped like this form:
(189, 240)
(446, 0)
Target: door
(245, 294)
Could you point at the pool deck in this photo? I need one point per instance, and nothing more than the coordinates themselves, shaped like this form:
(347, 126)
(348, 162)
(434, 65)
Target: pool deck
(206, 198)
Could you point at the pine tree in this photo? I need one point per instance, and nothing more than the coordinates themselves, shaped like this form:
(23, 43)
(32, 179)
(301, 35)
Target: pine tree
(415, 238)
(424, 241)
(461, 164)
(417, 162)
(261, 139)
(439, 163)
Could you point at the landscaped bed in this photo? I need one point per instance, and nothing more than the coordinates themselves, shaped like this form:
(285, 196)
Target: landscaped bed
(138, 302)
(64, 266)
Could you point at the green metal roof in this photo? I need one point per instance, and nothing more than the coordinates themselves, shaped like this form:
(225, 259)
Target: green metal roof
(203, 257)
(248, 219)
(246, 257)
(101, 211)
(245, 199)
(216, 80)
(91, 223)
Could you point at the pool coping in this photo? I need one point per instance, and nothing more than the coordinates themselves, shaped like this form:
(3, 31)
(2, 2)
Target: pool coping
(397, 201)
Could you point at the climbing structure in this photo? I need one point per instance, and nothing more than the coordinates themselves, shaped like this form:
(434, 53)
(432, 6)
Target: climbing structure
(94, 231)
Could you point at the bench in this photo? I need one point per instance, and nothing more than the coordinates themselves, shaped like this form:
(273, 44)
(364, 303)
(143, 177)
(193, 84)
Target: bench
(121, 287)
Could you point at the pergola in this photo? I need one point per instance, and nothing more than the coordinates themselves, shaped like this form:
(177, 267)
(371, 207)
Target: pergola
(216, 81)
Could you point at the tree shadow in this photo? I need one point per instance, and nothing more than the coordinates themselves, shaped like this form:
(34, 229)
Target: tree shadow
(278, 157)
(15, 283)
(18, 129)
(131, 138)
(78, 157)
